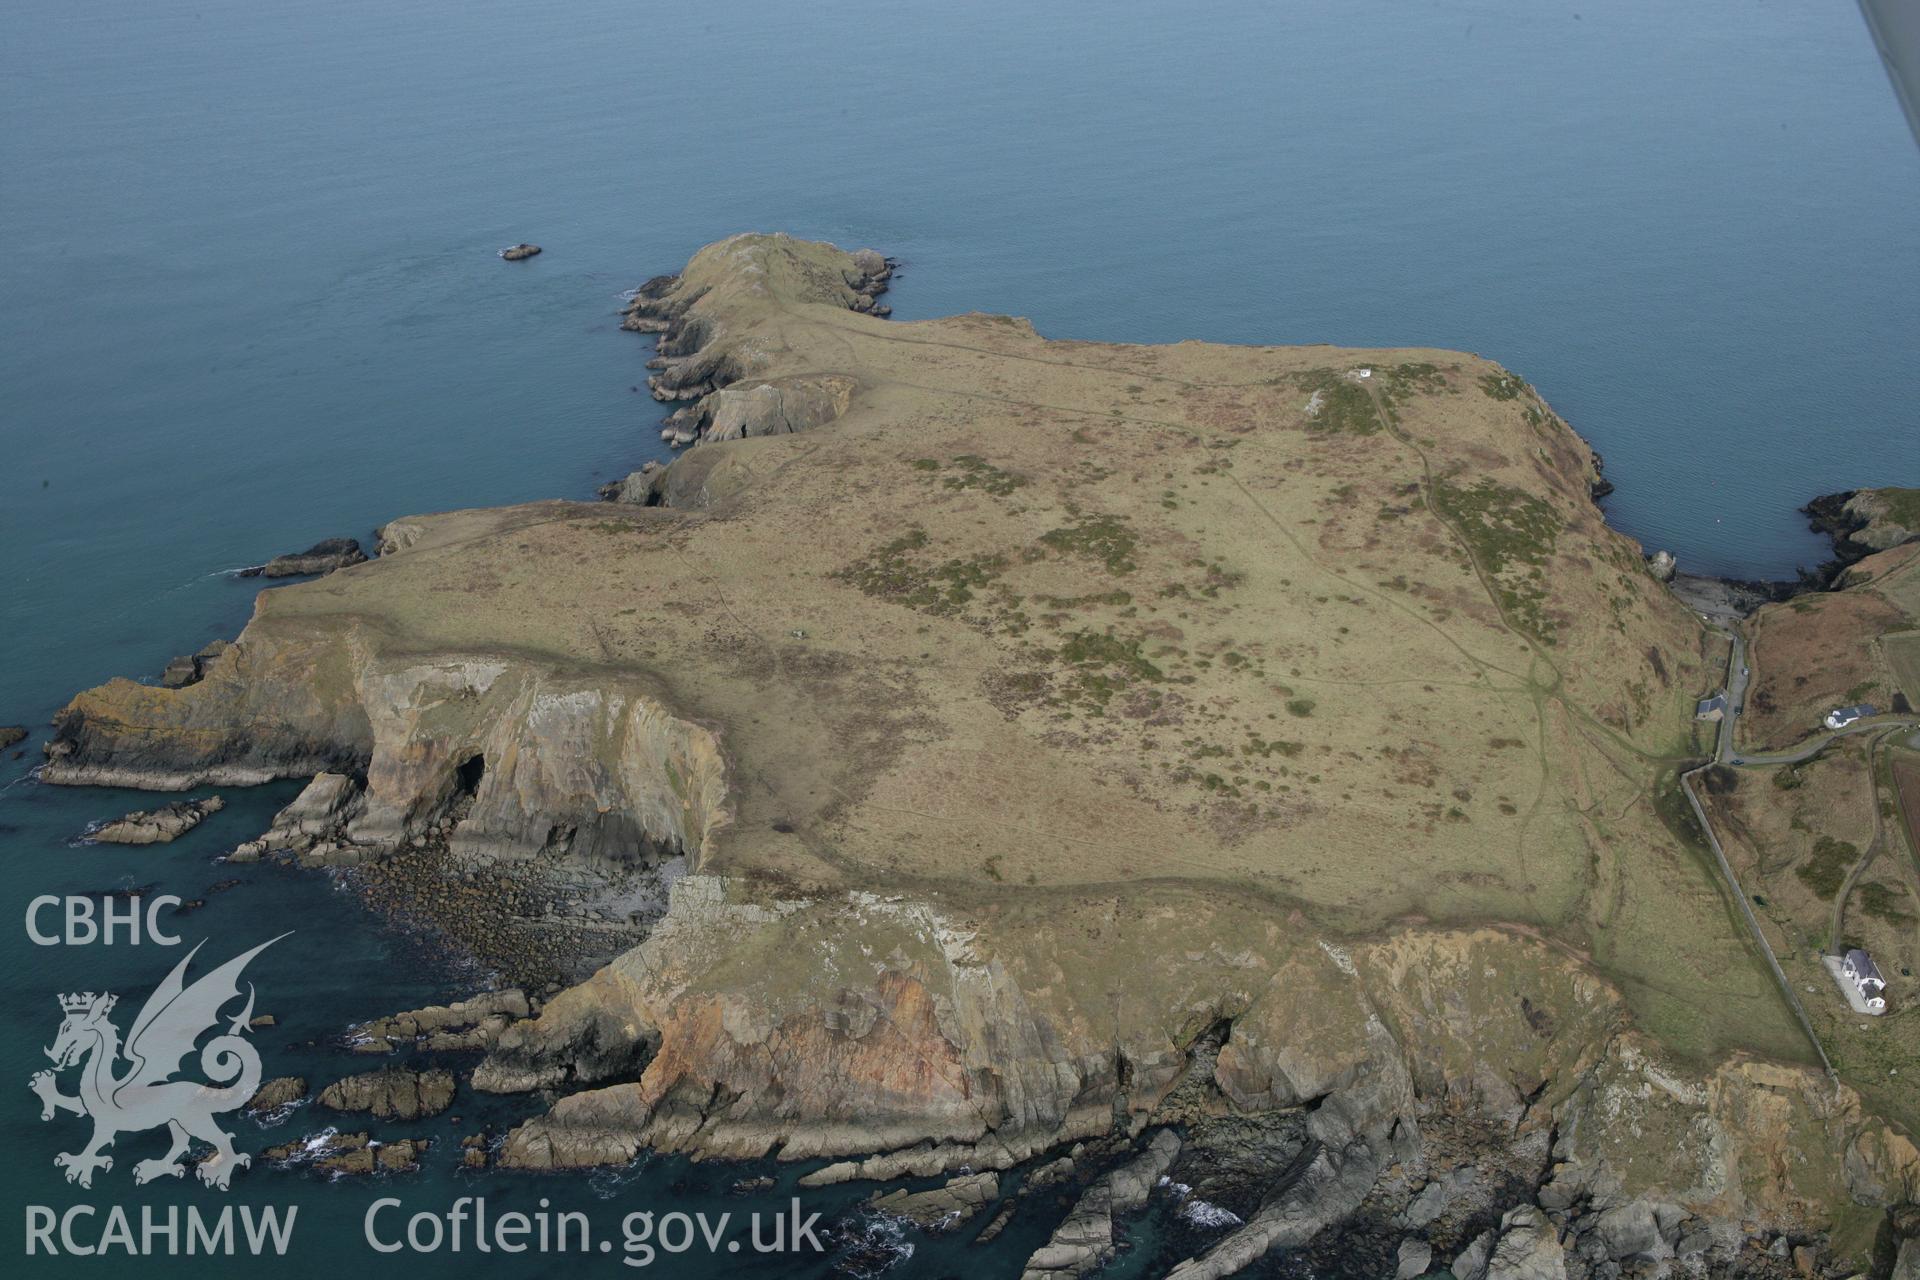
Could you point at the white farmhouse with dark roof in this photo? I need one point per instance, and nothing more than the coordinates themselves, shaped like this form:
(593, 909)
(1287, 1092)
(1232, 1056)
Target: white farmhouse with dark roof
(1841, 717)
(1858, 968)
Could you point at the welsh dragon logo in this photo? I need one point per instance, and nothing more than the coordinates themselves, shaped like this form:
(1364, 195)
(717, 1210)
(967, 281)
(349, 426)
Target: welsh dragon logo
(125, 1089)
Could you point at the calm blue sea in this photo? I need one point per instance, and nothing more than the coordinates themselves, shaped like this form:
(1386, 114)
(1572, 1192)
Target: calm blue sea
(251, 300)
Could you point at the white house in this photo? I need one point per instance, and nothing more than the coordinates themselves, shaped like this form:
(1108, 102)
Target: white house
(1841, 717)
(1858, 968)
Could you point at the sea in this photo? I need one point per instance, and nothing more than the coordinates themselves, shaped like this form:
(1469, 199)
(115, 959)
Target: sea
(252, 300)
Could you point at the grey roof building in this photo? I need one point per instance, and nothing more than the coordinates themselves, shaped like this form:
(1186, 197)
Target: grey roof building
(1858, 968)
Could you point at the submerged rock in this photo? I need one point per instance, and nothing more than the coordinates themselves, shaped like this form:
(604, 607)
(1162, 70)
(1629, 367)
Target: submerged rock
(157, 826)
(321, 557)
(10, 734)
(519, 252)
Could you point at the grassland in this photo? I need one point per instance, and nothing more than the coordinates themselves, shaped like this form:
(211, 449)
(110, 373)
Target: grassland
(1053, 619)
(1903, 658)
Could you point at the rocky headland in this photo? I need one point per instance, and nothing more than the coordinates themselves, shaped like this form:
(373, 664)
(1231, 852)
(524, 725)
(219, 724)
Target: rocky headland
(321, 558)
(1864, 521)
(1253, 767)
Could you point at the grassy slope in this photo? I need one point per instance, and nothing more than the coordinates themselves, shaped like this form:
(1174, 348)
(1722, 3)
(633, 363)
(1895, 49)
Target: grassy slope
(1827, 649)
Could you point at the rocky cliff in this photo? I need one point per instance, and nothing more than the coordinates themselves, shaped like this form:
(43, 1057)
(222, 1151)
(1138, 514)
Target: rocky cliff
(1863, 521)
(1067, 742)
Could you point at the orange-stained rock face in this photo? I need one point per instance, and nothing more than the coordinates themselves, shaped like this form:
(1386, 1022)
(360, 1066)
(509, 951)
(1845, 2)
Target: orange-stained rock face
(873, 1056)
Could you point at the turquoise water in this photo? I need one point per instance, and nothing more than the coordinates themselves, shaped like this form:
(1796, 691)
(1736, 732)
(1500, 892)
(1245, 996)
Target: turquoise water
(252, 301)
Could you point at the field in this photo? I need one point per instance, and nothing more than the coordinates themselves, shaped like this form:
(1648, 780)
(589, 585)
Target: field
(1903, 656)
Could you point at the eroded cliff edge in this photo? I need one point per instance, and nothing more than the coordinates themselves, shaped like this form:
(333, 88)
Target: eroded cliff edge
(1067, 739)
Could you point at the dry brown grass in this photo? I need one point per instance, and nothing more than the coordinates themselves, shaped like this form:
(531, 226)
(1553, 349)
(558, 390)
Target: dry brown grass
(1068, 617)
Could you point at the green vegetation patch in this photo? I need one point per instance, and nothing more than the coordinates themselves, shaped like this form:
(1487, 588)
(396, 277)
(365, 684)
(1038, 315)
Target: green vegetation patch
(1503, 386)
(1512, 535)
(1825, 868)
(1338, 405)
(1902, 506)
(1883, 903)
(1401, 382)
(899, 571)
(1103, 538)
(970, 471)
(1105, 664)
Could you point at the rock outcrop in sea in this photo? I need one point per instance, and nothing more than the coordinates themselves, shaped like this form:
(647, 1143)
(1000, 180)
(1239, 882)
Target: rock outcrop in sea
(351, 1154)
(391, 1093)
(157, 826)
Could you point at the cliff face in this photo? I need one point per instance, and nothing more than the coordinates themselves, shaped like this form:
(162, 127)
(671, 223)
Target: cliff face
(550, 759)
(1066, 739)
(909, 1038)
(854, 1024)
